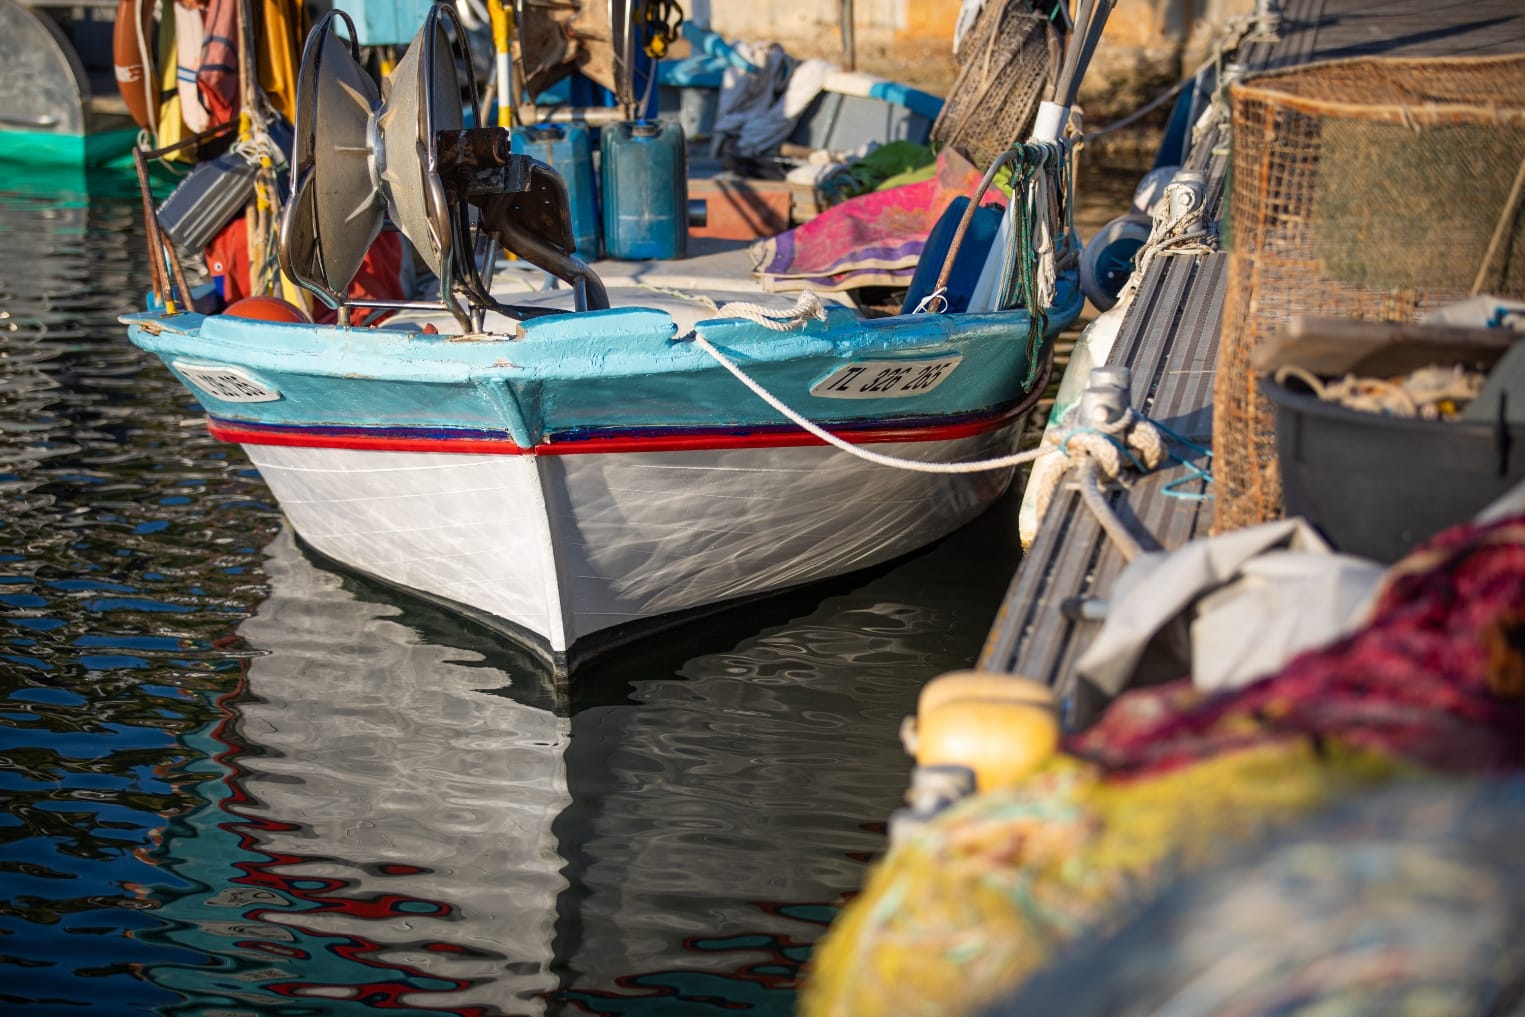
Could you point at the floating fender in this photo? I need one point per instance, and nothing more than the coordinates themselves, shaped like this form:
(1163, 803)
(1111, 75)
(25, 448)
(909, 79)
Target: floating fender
(1107, 261)
(1000, 726)
(974, 685)
(262, 308)
(983, 685)
(132, 63)
(1000, 740)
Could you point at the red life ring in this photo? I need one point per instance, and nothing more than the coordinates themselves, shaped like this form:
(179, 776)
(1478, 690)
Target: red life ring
(132, 59)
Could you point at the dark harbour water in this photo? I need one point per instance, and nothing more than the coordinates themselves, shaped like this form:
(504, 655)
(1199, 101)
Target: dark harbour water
(236, 781)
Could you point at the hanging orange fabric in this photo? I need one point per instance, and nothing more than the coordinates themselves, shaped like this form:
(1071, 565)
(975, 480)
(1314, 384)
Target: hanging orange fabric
(217, 78)
(379, 278)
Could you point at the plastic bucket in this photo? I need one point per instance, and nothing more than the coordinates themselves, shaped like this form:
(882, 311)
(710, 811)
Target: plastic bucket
(1378, 485)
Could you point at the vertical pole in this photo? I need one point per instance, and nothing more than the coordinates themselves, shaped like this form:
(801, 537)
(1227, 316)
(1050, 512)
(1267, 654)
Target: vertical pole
(849, 47)
(502, 17)
(151, 230)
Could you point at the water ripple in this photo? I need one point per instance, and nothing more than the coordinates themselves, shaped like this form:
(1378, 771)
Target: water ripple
(234, 781)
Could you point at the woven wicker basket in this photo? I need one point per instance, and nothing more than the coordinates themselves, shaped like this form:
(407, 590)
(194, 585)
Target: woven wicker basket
(1369, 188)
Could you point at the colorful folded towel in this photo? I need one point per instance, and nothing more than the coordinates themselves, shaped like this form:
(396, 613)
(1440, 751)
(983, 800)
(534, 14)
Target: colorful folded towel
(873, 240)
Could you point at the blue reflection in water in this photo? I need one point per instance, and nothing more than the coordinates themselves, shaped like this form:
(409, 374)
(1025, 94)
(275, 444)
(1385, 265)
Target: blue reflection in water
(235, 781)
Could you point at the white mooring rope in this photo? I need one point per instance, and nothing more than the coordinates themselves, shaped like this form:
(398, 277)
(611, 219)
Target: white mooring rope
(806, 309)
(1095, 452)
(913, 465)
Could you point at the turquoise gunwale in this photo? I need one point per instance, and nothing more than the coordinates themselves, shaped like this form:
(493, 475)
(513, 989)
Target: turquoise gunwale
(618, 369)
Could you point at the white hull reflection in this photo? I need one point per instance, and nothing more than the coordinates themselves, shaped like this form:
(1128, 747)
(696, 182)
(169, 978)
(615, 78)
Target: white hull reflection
(396, 805)
(400, 814)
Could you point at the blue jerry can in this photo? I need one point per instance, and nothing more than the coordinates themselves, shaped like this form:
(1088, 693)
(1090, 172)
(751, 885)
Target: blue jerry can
(566, 148)
(645, 168)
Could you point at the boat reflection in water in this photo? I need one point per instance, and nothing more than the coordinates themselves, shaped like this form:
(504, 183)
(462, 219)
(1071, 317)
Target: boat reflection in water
(404, 814)
(382, 834)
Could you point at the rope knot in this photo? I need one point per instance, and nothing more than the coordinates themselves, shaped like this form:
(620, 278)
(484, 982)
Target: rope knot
(806, 309)
(1102, 451)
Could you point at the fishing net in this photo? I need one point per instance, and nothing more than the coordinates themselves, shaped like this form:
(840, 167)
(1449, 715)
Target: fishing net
(1173, 778)
(1007, 63)
(1369, 188)
(1423, 877)
(1003, 883)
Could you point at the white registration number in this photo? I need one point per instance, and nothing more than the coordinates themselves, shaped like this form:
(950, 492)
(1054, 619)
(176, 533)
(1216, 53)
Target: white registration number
(230, 384)
(885, 379)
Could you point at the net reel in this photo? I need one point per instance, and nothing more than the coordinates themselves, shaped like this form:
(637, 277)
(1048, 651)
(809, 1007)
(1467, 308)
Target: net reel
(362, 154)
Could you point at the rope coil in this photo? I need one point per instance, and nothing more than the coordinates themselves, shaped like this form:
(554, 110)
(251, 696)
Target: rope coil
(1097, 453)
(806, 309)
(1179, 230)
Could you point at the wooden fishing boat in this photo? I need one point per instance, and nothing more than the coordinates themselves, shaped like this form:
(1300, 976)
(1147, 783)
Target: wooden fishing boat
(575, 465)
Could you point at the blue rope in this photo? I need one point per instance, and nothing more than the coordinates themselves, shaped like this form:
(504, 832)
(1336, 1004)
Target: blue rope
(1183, 440)
(1194, 472)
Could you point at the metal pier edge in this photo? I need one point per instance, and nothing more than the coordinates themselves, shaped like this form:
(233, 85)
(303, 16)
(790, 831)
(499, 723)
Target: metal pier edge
(1169, 339)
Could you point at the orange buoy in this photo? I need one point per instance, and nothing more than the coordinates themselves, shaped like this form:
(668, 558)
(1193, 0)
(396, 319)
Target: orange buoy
(983, 685)
(1000, 740)
(130, 55)
(263, 308)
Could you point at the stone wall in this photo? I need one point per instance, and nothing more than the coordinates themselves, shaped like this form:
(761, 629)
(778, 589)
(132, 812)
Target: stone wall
(787, 21)
(1147, 42)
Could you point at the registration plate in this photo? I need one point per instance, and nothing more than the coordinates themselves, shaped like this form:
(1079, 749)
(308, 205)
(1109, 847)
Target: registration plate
(230, 384)
(885, 379)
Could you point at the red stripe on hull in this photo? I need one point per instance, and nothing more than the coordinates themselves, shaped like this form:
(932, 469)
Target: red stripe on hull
(360, 441)
(611, 444)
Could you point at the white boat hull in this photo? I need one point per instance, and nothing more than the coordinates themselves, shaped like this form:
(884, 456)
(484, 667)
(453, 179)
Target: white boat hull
(567, 546)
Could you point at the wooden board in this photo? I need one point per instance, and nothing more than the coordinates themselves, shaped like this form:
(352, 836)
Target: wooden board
(1330, 347)
(742, 209)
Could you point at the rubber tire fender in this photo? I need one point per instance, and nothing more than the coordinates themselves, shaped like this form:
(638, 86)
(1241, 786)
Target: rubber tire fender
(1107, 261)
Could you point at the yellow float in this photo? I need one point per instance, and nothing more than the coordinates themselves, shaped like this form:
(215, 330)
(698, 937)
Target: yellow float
(999, 726)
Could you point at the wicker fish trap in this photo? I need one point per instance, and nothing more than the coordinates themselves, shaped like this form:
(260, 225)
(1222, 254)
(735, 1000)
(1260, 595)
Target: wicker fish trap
(1007, 64)
(1372, 188)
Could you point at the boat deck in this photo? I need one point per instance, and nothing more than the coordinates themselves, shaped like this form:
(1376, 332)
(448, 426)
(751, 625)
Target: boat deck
(1170, 339)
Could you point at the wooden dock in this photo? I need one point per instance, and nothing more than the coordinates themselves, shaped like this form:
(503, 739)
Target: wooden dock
(1170, 339)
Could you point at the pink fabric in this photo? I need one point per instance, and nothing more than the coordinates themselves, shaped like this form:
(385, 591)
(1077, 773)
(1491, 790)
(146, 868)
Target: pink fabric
(874, 239)
(1437, 677)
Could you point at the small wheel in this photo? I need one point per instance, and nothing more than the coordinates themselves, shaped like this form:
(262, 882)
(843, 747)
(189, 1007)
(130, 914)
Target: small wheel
(1107, 261)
